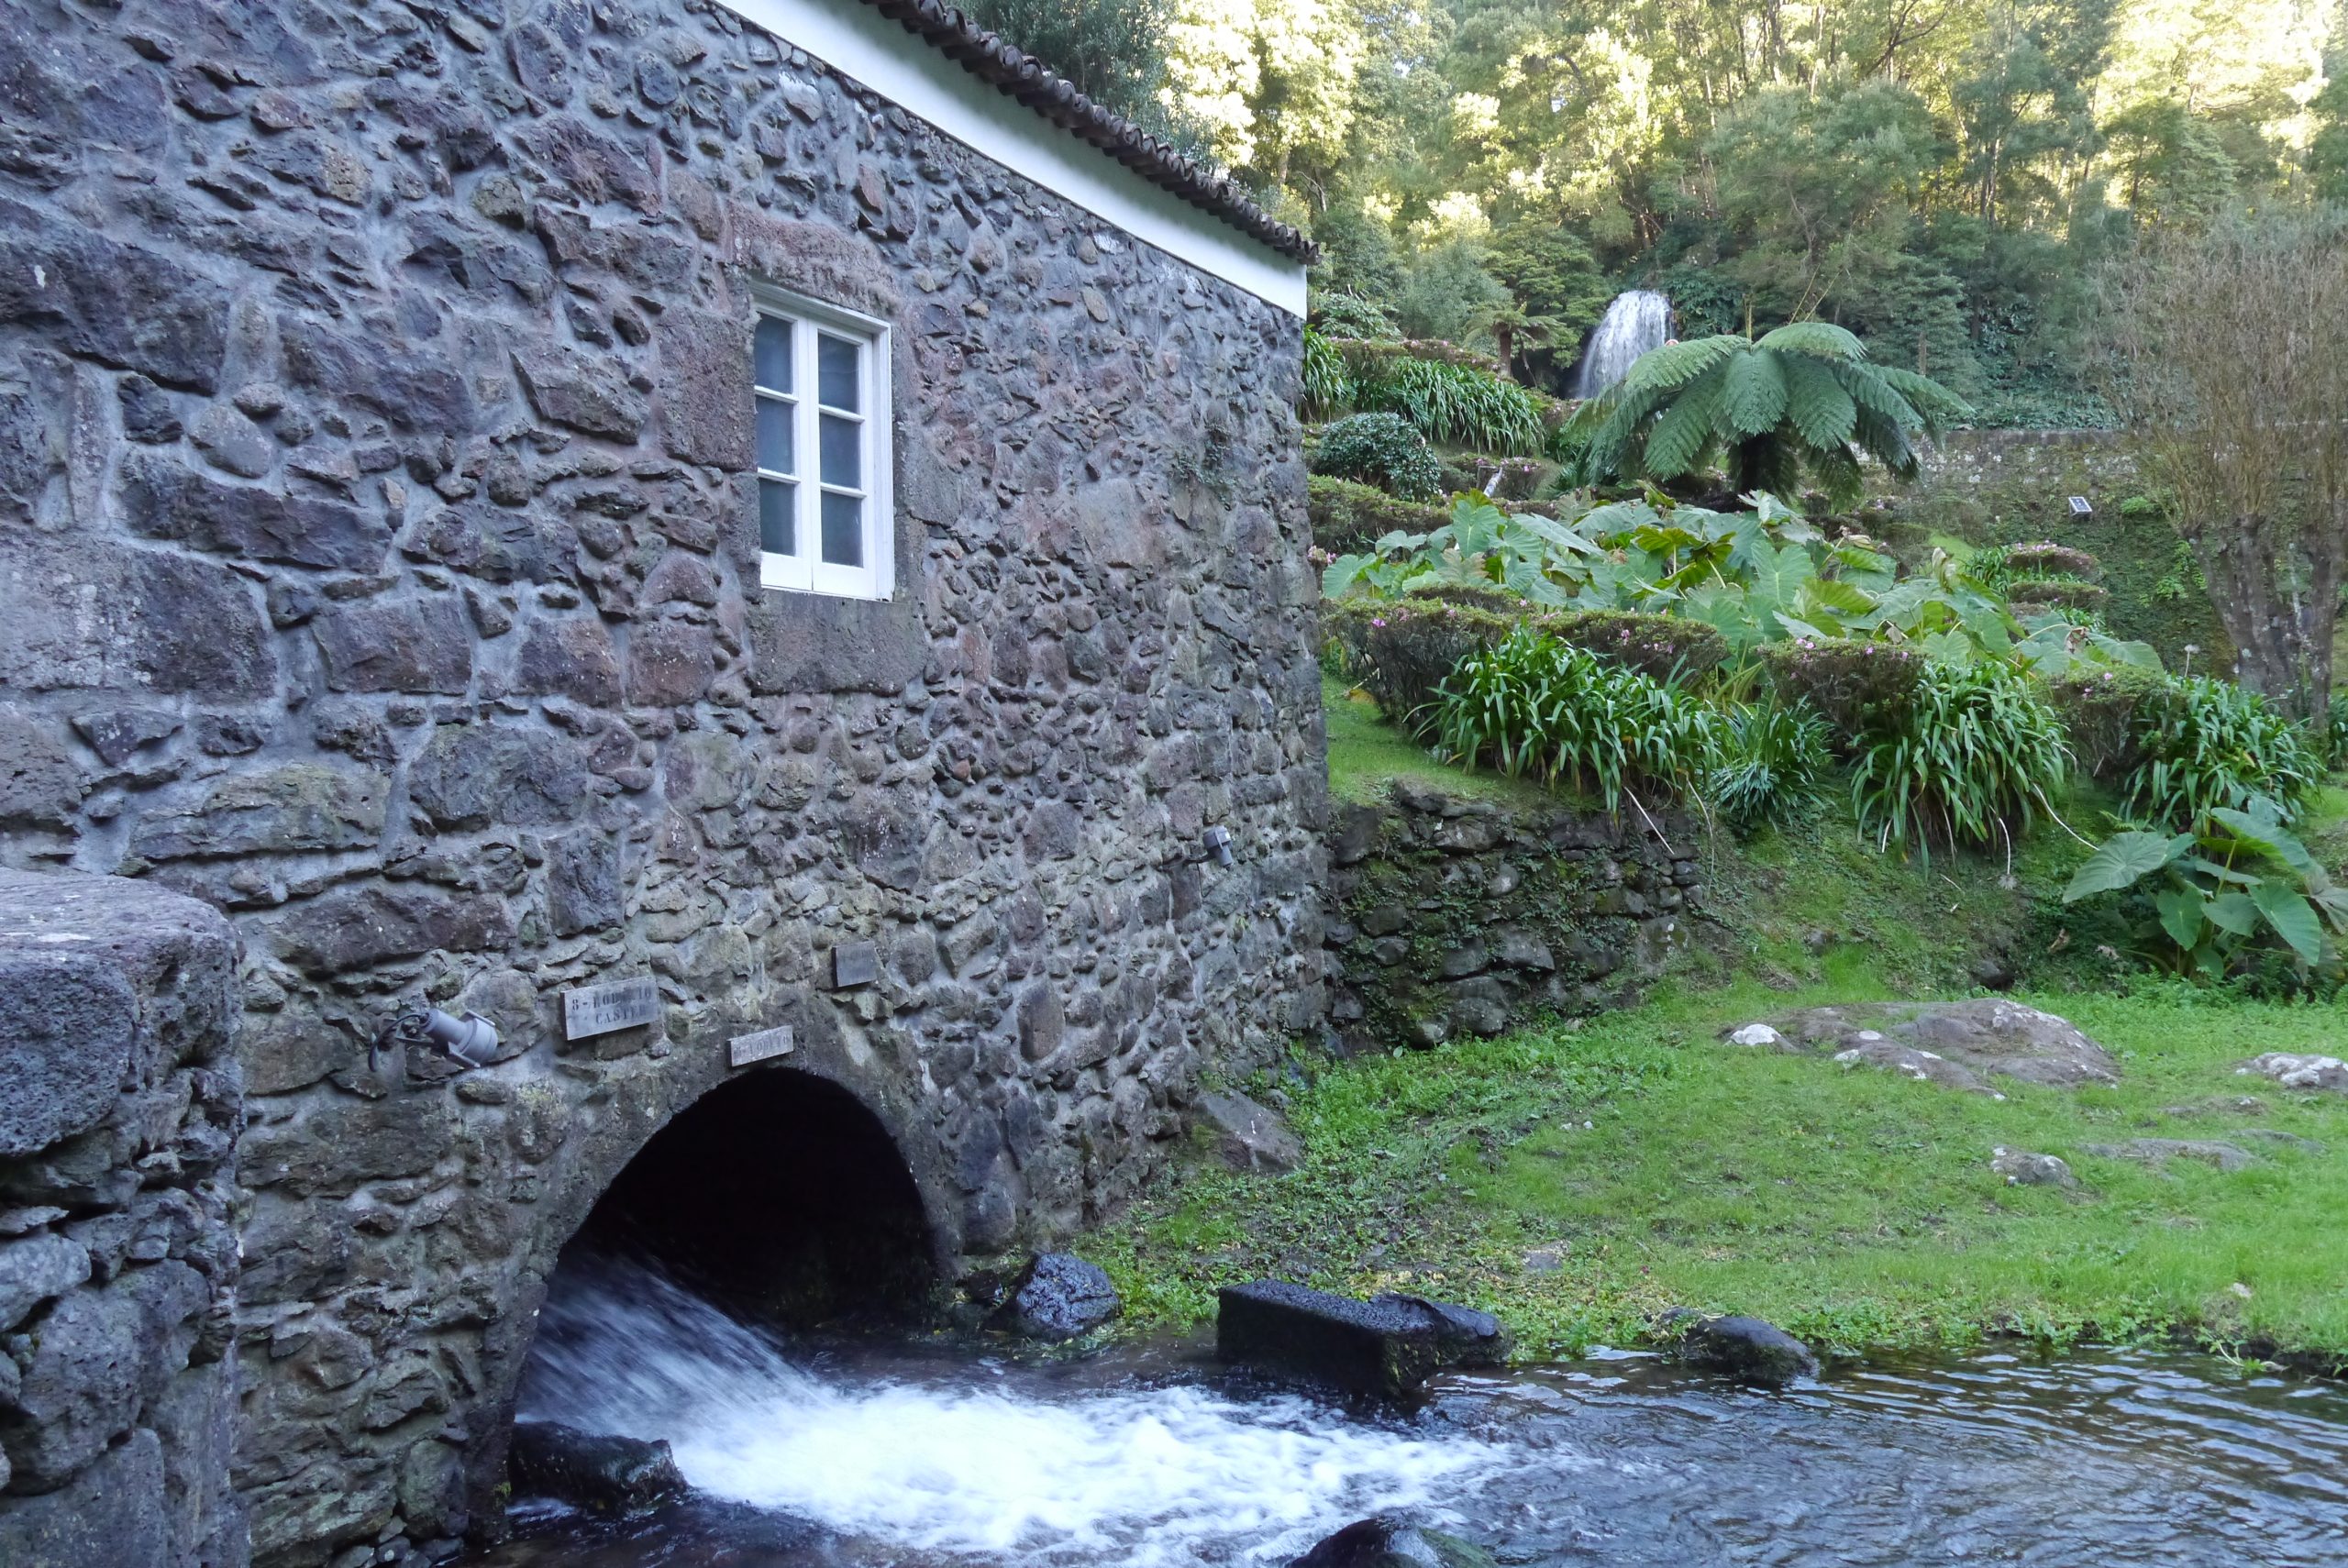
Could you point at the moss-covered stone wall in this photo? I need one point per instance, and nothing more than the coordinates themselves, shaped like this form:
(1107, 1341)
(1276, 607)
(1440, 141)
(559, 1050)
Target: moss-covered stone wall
(1458, 916)
(2004, 487)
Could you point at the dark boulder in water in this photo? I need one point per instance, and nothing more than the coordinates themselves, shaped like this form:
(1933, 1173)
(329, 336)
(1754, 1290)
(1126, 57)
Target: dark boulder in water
(1386, 1346)
(1059, 1298)
(1744, 1348)
(605, 1474)
(1389, 1543)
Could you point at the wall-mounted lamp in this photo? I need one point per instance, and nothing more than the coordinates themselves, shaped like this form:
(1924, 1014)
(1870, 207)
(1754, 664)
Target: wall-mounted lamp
(470, 1041)
(1213, 844)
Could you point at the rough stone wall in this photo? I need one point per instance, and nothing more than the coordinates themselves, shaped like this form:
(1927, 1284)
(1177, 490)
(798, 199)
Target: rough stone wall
(377, 564)
(1457, 917)
(119, 1109)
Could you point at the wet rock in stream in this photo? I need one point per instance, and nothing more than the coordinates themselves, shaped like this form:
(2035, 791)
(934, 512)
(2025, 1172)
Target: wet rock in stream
(1744, 1348)
(1386, 1346)
(613, 1477)
(1059, 1298)
(1389, 1543)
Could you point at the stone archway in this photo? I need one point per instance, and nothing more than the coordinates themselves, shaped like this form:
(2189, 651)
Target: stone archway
(759, 1148)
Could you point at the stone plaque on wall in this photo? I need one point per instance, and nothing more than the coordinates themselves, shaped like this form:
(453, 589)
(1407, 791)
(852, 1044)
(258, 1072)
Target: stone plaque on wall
(855, 964)
(767, 1044)
(616, 1004)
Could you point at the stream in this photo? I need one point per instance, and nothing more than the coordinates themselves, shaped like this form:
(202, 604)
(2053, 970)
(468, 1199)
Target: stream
(932, 1456)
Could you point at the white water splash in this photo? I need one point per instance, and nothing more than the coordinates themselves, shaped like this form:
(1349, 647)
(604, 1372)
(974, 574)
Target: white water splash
(1149, 1478)
(1635, 322)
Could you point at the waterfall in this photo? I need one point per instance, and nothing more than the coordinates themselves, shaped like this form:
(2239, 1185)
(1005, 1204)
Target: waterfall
(978, 1465)
(1635, 322)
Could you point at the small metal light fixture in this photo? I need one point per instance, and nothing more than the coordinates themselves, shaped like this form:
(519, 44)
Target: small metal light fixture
(470, 1041)
(1215, 845)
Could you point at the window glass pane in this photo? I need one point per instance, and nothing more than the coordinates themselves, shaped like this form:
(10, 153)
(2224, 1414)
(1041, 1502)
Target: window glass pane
(777, 517)
(775, 453)
(773, 354)
(843, 461)
(843, 530)
(836, 373)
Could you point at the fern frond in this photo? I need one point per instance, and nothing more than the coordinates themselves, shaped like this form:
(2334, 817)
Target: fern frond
(1677, 364)
(1935, 405)
(1816, 404)
(1683, 433)
(1837, 473)
(1754, 394)
(1818, 339)
(1886, 442)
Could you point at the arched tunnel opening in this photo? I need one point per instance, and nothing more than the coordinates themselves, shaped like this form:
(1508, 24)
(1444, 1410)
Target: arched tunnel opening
(778, 1197)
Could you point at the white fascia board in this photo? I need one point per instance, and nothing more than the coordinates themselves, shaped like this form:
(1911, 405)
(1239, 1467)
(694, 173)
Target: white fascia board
(858, 42)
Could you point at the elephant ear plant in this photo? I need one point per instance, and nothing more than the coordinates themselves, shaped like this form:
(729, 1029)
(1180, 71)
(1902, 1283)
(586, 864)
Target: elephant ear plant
(2239, 883)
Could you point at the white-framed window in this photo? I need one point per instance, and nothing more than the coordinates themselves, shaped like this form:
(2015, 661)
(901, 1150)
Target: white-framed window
(820, 387)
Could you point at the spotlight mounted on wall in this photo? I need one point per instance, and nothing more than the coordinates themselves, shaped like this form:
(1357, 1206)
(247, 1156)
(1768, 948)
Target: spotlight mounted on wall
(470, 1041)
(1213, 844)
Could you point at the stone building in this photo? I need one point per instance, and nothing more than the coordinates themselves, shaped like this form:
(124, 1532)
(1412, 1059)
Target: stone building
(781, 502)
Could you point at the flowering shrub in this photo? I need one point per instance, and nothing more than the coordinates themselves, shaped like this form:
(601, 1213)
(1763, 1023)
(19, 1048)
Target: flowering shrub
(1846, 682)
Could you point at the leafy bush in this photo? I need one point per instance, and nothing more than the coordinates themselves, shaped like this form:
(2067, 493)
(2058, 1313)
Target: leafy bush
(1773, 764)
(2028, 593)
(1996, 568)
(1846, 682)
(1341, 315)
(1462, 405)
(1349, 518)
(1383, 450)
(1970, 756)
(1665, 647)
(2203, 744)
(2240, 883)
(1401, 652)
(1535, 704)
(2101, 710)
(1328, 385)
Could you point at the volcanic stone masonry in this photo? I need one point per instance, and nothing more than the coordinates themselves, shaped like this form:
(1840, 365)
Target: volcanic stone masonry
(378, 566)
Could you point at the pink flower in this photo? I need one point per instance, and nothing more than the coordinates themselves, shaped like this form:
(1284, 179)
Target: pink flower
(1378, 620)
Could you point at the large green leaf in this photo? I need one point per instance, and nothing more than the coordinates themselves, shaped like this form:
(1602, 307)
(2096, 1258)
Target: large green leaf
(1817, 407)
(2180, 910)
(2122, 860)
(2233, 912)
(2262, 832)
(2292, 917)
(1685, 432)
(1677, 364)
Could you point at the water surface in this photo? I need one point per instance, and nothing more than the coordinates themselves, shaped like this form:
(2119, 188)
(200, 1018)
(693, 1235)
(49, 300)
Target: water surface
(936, 1457)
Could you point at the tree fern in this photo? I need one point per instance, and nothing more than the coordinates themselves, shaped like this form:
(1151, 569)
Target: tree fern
(1804, 399)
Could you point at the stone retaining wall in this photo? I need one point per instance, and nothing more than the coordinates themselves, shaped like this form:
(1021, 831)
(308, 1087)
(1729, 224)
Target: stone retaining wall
(378, 563)
(119, 1109)
(1457, 916)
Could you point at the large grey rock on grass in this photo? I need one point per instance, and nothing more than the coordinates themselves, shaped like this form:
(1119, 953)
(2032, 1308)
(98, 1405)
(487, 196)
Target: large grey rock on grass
(1957, 1044)
(1248, 1136)
(1390, 1543)
(2228, 1157)
(2299, 1071)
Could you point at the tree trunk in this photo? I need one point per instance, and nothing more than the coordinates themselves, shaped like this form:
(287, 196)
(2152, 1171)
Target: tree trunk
(2280, 607)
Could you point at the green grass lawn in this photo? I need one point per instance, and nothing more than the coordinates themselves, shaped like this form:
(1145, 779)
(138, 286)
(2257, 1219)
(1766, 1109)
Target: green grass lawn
(1577, 1180)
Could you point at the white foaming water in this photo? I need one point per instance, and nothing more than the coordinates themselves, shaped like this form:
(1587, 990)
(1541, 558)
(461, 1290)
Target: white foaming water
(1151, 1478)
(1634, 321)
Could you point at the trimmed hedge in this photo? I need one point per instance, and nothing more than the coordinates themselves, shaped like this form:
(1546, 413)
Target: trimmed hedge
(2101, 711)
(1349, 518)
(2068, 593)
(1400, 650)
(1849, 682)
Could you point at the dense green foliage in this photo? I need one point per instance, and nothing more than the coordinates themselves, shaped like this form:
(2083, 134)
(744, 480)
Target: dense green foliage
(1348, 516)
(1535, 705)
(1772, 765)
(1804, 399)
(2202, 744)
(2236, 886)
(1973, 756)
(1383, 450)
(1446, 400)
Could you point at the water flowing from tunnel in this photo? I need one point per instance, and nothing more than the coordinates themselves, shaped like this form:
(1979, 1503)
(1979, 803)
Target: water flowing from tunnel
(947, 1464)
(1636, 321)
